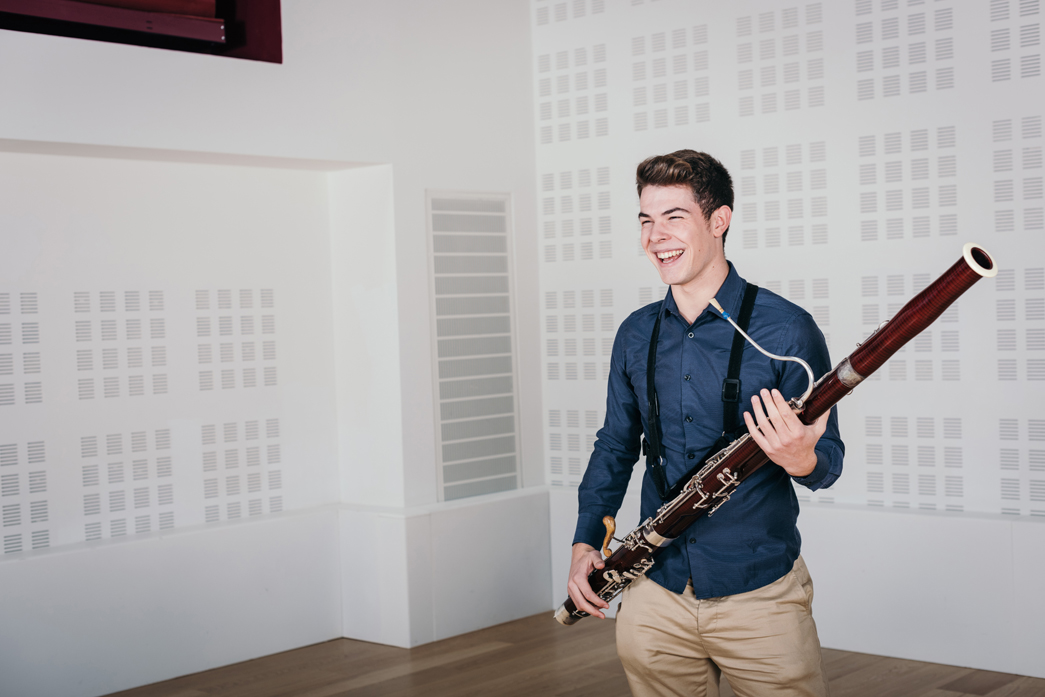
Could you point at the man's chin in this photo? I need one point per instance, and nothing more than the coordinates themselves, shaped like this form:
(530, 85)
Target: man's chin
(666, 278)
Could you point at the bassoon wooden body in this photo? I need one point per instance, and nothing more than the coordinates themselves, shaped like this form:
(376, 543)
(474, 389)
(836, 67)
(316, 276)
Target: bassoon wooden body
(724, 471)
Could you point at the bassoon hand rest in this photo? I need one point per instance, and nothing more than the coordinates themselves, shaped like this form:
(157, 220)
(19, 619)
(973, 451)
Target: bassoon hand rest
(724, 471)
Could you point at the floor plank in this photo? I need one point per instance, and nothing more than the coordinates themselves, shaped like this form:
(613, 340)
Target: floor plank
(537, 656)
(979, 682)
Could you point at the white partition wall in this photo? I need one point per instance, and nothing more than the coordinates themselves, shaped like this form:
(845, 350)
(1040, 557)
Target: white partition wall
(868, 140)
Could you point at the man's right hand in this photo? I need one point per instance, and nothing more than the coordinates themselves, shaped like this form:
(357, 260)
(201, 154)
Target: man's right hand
(585, 558)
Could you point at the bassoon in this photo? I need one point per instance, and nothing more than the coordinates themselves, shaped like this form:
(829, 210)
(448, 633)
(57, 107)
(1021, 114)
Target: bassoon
(724, 471)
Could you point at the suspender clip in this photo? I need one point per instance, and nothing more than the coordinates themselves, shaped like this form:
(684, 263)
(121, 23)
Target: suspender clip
(731, 390)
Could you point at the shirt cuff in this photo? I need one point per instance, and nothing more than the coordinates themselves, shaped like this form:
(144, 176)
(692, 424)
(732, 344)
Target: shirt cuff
(815, 479)
(590, 529)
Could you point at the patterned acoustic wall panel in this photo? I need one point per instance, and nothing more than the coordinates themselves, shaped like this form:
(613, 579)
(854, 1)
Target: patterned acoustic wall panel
(473, 331)
(868, 140)
(143, 381)
(130, 352)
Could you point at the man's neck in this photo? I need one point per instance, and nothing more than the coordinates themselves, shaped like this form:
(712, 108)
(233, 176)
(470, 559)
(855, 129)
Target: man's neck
(693, 297)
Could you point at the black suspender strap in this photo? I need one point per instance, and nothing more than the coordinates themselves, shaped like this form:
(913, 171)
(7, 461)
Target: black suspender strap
(651, 446)
(731, 385)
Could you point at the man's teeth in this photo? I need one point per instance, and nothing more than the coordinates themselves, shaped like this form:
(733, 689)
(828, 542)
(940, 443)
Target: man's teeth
(669, 255)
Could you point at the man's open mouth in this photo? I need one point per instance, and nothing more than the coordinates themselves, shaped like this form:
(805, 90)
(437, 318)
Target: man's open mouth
(670, 257)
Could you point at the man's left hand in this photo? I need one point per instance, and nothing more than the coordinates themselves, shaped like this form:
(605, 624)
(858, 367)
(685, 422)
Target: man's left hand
(786, 440)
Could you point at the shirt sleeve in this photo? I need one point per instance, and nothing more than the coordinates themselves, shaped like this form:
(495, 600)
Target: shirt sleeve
(804, 339)
(617, 448)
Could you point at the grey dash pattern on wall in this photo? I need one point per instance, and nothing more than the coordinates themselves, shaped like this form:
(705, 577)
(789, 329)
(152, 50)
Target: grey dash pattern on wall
(1017, 165)
(1015, 39)
(567, 439)
(670, 74)
(572, 95)
(586, 332)
(579, 326)
(780, 60)
(24, 503)
(565, 11)
(783, 195)
(1021, 484)
(575, 205)
(121, 344)
(127, 483)
(1020, 318)
(20, 366)
(907, 50)
(907, 184)
(242, 469)
(237, 335)
(914, 462)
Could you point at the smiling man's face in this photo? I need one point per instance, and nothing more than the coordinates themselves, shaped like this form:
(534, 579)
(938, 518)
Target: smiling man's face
(680, 243)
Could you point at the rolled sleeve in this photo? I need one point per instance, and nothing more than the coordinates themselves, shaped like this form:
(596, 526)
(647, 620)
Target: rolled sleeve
(804, 339)
(828, 464)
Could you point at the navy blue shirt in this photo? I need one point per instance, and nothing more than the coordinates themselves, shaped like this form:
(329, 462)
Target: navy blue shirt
(752, 540)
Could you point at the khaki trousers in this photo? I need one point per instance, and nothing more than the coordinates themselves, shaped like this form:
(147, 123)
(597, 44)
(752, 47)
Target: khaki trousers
(764, 641)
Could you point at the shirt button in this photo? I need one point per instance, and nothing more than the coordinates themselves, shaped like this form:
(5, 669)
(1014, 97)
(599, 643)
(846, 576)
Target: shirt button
(685, 377)
(693, 540)
(690, 335)
(691, 456)
(689, 419)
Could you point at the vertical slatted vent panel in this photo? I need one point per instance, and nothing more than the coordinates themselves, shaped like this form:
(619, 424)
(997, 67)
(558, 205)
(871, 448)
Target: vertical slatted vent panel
(477, 439)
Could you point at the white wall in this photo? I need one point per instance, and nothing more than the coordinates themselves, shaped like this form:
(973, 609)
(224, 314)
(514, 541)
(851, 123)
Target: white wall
(366, 297)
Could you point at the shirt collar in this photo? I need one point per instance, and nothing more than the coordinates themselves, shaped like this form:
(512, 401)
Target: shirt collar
(730, 295)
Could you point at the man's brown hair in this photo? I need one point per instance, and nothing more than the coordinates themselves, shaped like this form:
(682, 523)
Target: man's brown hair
(709, 181)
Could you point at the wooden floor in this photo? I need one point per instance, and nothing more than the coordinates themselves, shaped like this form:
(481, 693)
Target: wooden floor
(536, 656)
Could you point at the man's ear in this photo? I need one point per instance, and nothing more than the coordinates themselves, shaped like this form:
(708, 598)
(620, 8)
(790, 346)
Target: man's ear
(720, 220)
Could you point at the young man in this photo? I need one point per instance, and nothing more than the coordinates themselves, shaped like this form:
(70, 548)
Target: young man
(732, 594)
